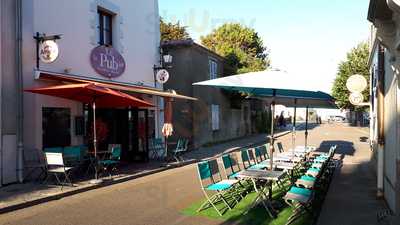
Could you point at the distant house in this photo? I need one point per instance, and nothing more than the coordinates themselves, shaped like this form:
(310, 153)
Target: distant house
(385, 98)
(216, 116)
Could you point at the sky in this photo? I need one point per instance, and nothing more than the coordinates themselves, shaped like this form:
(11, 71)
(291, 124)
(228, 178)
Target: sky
(306, 38)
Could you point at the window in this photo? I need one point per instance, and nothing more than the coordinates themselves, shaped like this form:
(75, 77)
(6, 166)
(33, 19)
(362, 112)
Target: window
(215, 117)
(213, 68)
(56, 127)
(105, 27)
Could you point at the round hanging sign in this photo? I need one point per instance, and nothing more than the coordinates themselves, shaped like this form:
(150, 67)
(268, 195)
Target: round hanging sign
(162, 76)
(356, 98)
(48, 51)
(356, 83)
(107, 61)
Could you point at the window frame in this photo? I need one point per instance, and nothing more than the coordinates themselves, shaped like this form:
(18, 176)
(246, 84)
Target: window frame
(101, 15)
(212, 71)
(215, 117)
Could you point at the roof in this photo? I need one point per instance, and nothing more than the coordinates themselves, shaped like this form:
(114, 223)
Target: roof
(189, 43)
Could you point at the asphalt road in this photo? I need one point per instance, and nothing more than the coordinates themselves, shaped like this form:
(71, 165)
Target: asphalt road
(152, 200)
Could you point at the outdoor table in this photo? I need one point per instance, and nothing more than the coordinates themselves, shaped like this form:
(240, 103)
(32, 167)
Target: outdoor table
(268, 177)
(94, 158)
(288, 166)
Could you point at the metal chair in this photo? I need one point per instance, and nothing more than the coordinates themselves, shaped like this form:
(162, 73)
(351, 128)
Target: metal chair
(36, 162)
(55, 165)
(157, 148)
(211, 181)
(181, 148)
(110, 165)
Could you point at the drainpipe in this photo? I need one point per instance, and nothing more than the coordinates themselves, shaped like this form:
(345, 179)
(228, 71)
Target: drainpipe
(380, 120)
(18, 61)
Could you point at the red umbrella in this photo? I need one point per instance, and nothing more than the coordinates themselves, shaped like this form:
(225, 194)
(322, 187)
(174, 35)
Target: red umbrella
(94, 94)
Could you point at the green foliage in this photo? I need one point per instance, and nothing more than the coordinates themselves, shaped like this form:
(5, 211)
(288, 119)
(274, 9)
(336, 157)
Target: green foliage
(241, 45)
(172, 31)
(355, 63)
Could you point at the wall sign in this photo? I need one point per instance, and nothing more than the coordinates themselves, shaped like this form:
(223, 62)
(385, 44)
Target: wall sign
(356, 98)
(162, 76)
(48, 51)
(107, 61)
(356, 83)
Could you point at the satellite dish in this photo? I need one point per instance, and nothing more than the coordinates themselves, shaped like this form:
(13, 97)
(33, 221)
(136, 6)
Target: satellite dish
(356, 83)
(356, 98)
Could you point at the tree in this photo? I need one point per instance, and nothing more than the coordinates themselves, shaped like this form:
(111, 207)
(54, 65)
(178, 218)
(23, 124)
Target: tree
(241, 45)
(355, 63)
(172, 31)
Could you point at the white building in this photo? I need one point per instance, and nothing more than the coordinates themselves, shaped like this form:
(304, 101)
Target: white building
(125, 29)
(385, 98)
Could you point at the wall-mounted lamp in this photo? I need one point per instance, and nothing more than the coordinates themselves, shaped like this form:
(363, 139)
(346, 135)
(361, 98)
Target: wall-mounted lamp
(160, 73)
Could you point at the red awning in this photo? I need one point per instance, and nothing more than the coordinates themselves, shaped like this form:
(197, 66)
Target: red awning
(92, 93)
(44, 75)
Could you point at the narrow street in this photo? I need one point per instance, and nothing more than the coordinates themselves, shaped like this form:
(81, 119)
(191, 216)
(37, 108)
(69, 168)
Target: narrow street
(158, 199)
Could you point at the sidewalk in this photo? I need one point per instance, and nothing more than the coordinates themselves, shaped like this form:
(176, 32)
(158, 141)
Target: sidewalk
(351, 199)
(17, 196)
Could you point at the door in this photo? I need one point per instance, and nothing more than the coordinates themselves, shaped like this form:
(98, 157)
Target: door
(56, 125)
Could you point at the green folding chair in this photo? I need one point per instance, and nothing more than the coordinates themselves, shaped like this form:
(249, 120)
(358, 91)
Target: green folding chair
(216, 189)
(181, 148)
(110, 165)
(157, 149)
(231, 166)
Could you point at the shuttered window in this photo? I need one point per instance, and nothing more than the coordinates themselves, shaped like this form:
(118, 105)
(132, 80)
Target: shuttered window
(215, 117)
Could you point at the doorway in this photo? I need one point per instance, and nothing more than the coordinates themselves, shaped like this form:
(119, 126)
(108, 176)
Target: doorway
(124, 127)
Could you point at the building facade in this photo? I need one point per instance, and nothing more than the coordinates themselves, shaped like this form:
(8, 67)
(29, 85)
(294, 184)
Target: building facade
(127, 32)
(385, 98)
(9, 158)
(215, 117)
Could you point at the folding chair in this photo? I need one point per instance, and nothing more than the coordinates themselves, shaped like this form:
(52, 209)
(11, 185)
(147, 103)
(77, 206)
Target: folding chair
(110, 165)
(249, 163)
(181, 148)
(280, 147)
(231, 167)
(301, 200)
(36, 162)
(157, 148)
(211, 181)
(55, 165)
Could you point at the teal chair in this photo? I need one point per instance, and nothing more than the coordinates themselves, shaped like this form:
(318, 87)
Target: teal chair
(181, 148)
(54, 150)
(231, 166)
(248, 161)
(215, 188)
(157, 149)
(110, 165)
(73, 156)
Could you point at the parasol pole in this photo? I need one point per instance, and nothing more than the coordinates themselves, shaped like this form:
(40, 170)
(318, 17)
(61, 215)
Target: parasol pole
(271, 149)
(294, 127)
(95, 137)
(306, 133)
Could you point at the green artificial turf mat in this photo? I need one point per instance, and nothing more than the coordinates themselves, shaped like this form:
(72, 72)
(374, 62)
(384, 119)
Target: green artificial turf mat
(256, 216)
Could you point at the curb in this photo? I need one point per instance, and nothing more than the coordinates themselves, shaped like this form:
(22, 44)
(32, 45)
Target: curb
(59, 196)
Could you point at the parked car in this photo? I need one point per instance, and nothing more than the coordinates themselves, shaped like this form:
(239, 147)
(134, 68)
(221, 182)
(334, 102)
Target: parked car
(336, 119)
